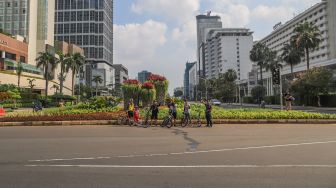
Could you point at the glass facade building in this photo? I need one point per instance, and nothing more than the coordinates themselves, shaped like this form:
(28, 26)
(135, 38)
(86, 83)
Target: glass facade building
(13, 17)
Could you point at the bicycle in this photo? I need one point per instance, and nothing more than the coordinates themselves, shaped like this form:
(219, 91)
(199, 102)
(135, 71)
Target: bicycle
(124, 120)
(146, 122)
(185, 120)
(199, 121)
(167, 121)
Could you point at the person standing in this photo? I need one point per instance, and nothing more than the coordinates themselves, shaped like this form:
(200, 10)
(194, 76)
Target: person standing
(208, 115)
(186, 111)
(130, 109)
(155, 112)
(288, 100)
(172, 110)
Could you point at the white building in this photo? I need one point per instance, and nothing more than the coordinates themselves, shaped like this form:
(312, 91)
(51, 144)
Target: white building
(204, 22)
(193, 81)
(107, 73)
(322, 15)
(228, 48)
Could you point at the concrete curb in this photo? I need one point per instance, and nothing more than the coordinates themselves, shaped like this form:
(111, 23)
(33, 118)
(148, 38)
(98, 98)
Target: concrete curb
(216, 121)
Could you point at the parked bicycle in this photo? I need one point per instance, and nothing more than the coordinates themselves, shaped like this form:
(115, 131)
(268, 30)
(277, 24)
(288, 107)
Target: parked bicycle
(124, 120)
(185, 121)
(168, 121)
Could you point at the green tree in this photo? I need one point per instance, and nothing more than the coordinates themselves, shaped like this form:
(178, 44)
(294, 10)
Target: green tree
(257, 55)
(230, 75)
(31, 84)
(291, 54)
(19, 70)
(75, 62)
(47, 63)
(313, 83)
(307, 38)
(178, 93)
(97, 80)
(56, 88)
(258, 93)
(273, 63)
(63, 62)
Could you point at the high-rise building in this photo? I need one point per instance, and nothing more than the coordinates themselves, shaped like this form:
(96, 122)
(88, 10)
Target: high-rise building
(186, 80)
(14, 17)
(143, 76)
(204, 23)
(121, 75)
(193, 82)
(89, 24)
(322, 15)
(228, 48)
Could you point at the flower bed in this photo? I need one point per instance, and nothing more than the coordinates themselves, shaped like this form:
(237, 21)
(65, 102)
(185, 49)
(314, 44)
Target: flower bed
(66, 117)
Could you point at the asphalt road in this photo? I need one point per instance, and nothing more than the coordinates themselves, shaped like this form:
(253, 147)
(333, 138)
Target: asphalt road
(239, 156)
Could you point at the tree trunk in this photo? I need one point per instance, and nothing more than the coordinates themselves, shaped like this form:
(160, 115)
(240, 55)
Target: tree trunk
(73, 83)
(61, 80)
(47, 80)
(96, 89)
(308, 60)
(292, 71)
(319, 101)
(261, 76)
(19, 77)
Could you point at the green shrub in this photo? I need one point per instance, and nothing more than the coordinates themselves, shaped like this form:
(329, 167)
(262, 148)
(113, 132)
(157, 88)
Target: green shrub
(248, 100)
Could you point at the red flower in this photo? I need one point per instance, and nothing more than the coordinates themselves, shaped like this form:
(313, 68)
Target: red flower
(155, 77)
(148, 85)
(132, 82)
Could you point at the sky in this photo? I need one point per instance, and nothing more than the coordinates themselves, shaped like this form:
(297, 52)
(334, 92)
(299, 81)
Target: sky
(160, 35)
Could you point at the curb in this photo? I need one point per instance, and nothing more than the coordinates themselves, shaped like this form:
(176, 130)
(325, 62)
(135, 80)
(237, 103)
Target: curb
(216, 121)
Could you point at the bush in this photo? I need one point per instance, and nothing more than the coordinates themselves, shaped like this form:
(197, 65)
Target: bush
(258, 92)
(59, 97)
(328, 100)
(248, 100)
(272, 99)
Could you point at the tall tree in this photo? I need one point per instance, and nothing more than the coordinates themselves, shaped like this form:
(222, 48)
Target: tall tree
(291, 54)
(47, 63)
(97, 80)
(273, 63)
(257, 55)
(75, 62)
(19, 70)
(62, 61)
(31, 84)
(307, 38)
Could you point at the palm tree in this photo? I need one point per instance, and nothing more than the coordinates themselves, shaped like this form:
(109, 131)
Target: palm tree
(307, 38)
(62, 60)
(97, 80)
(230, 75)
(273, 63)
(292, 56)
(257, 55)
(75, 62)
(19, 70)
(55, 87)
(46, 61)
(31, 84)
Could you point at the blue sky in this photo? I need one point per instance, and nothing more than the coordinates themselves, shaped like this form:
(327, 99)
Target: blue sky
(160, 35)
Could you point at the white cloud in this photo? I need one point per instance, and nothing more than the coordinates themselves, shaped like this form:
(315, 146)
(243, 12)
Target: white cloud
(272, 14)
(138, 42)
(175, 9)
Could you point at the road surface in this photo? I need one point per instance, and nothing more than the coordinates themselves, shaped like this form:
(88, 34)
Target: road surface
(240, 156)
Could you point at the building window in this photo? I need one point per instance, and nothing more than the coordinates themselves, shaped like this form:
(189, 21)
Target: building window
(85, 40)
(73, 16)
(92, 27)
(73, 39)
(92, 40)
(66, 39)
(73, 28)
(66, 16)
(79, 16)
(60, 38)
(66, 28)
(79, 28)
(100, 40)
(60, 5)
(79, 40)
(101, 28)
(60, 29)
(73, 4)
(67, 4)
(92, 15)
(8, 4)
(60, 17)
(86, 15)
(86, 4)
(86, 28)
(101, 16)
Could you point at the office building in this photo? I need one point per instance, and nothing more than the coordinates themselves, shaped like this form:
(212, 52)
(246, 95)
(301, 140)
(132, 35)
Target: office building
(14, 17)
(228, 48)
(193, 81)
(143, 76)
(204, 23)
(322, 15)
(88, 24)
(186, 80)
(121, 75)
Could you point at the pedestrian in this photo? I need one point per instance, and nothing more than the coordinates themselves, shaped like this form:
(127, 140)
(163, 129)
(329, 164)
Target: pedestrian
(186, 111)
(172, 110)
(208, 115)
(155, 112)
(288, 100)
(130, 109)
(136, 115)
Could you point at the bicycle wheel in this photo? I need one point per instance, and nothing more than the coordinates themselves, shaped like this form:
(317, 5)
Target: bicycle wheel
(165, 122)
(146, 124)
(184, 122)
(169, 123)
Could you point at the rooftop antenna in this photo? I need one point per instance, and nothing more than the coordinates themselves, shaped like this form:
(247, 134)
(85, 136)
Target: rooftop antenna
(209, 13)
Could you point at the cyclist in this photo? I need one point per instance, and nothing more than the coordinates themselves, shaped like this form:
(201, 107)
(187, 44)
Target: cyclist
(186, 111)
(208, 109)
(172, 110)
(155, 112)
(136, 115)
(130, 109)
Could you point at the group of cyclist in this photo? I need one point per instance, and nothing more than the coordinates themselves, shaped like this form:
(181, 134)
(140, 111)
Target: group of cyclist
(134, 113)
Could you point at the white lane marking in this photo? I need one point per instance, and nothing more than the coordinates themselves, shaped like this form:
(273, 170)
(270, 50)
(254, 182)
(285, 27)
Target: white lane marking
(189, 152)
(192, 166)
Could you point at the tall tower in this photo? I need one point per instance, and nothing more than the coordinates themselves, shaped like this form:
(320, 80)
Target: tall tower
(204, 23)
(88, 24)
(331, 9)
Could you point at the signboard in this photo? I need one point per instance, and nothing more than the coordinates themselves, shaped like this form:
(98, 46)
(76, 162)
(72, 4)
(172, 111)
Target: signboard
(3, 42)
